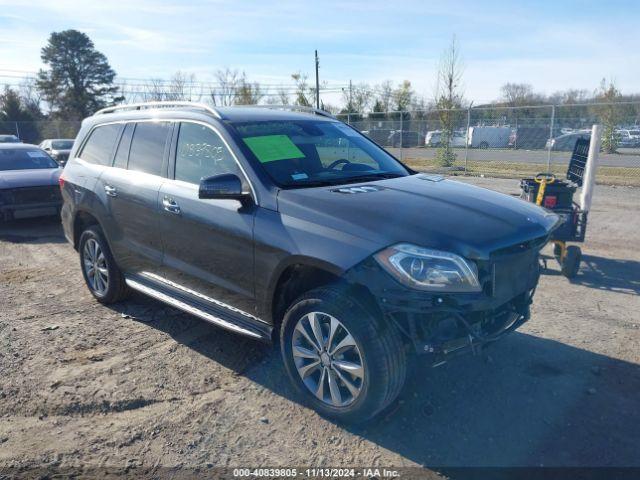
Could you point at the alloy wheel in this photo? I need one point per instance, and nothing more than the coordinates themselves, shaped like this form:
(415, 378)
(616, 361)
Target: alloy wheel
(327, 359)
(95, 266)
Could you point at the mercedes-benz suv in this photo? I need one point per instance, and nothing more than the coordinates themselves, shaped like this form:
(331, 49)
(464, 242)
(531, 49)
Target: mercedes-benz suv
(291, 227)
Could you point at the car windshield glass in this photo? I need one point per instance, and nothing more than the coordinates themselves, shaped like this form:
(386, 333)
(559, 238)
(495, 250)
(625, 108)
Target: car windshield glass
(62, 144)
(24, 159)
(305, 153)
(635, 133)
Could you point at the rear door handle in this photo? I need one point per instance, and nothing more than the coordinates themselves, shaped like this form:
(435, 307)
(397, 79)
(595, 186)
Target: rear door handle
(111, 191)
(170, 205)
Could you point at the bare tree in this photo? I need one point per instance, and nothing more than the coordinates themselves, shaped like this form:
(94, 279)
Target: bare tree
(31, 97)
(384, 94)
(281, 97)
(154, 91)
(183, 87)
(448, 96)
(517, 94)
(358, 100)
(224, 94)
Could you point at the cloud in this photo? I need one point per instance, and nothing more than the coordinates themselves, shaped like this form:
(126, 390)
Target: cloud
(550, 45)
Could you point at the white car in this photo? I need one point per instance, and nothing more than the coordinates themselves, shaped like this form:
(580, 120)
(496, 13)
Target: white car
(433, 139)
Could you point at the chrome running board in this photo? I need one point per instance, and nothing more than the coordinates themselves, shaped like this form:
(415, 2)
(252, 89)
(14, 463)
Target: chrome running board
(213, 314)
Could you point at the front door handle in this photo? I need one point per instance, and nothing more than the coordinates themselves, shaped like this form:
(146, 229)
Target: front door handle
(170, 205)
(111, 191)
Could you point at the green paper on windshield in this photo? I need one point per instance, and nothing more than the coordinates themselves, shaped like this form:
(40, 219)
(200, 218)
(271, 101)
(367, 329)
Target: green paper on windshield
(270, 148)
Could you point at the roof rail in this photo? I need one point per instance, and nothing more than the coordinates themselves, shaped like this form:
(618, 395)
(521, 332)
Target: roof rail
(299, 108)
(164, 104)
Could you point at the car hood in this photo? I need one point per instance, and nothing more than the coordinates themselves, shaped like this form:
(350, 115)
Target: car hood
(29, 178)
(424, 210)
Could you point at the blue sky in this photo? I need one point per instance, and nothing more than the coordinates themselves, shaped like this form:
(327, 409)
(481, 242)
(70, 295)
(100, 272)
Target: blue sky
(551, 44)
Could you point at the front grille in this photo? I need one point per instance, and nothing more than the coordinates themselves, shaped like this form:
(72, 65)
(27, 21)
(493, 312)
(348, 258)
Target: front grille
(26, 195)
(515, 272)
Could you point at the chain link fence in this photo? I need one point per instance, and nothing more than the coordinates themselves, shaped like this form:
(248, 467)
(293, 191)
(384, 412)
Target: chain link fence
(508, 141)
(490, 141)
(36, 132)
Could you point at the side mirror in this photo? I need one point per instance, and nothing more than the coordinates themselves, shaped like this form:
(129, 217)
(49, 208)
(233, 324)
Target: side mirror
(223, 186)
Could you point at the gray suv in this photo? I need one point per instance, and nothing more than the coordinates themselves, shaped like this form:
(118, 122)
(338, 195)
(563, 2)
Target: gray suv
(291, 227)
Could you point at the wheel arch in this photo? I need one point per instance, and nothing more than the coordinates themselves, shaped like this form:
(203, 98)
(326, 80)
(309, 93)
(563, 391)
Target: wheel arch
(301, 275)
(81, 221)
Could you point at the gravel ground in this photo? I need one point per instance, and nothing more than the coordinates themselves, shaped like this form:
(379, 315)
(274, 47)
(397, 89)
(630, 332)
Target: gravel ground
(138, 387)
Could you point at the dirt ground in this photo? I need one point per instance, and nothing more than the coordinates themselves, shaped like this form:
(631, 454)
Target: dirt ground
(138, 387)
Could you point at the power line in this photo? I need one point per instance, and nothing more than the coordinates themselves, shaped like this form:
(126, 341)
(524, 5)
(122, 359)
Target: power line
(141, 82)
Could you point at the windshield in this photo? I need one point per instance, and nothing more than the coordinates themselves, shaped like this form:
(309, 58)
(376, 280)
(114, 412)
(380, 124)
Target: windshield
(62, 144)
(24, 159)
(635, 133)
(305, 153)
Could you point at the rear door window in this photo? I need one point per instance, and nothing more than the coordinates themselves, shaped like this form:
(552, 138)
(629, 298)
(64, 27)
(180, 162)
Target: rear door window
(147, 147)
(99, 147)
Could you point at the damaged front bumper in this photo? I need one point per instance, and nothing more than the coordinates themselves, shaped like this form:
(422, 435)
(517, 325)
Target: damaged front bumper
(440, 325)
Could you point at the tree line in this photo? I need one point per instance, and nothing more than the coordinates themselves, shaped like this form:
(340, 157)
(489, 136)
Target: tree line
(77, 80)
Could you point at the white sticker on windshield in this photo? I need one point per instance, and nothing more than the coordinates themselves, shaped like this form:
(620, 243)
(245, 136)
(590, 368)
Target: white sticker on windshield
(36, 154)
(347, 130)
(299, 176)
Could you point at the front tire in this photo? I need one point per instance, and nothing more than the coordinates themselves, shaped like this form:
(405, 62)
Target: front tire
(345, 363)
(99, 269)
(571, 262)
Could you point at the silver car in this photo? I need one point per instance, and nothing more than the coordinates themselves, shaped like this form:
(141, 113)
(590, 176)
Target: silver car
(58, 148)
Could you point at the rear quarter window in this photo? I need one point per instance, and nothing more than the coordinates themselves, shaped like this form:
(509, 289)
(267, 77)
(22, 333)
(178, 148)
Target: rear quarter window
(99, 146)
(122, 154)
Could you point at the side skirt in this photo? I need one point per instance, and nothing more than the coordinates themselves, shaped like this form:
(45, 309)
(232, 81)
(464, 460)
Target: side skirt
(212, 313)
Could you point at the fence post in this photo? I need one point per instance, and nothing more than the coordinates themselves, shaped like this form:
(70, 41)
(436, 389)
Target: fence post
(348, 119)
(466, 140)
(553, 116)
(401, 127)
(17, 130)
(589, 178)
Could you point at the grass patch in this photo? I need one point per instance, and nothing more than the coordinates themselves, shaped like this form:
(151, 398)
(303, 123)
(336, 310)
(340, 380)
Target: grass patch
(605, 175)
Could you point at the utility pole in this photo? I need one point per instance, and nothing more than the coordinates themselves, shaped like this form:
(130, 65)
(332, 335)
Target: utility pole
(317, 82)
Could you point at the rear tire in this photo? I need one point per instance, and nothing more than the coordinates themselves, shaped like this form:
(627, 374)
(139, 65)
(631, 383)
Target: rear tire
(99, 269)
(484, 145)
(367, 375)
(571, 263)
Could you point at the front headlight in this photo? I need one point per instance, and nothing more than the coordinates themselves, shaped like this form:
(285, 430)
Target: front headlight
(427, 269)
